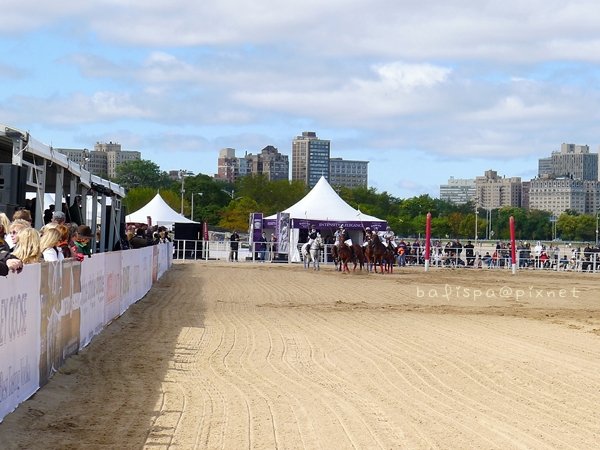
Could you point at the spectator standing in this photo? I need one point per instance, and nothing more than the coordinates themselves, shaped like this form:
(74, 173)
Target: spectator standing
(139, 240)
(58, 217)
(27, 247)
(15, 228)
(23, 214)
(234, 245)
(48, 214)
(49, 245)
(261, 247)
(65, 237)
(469, 253)
(75, 211)
(5, 244)
(81, 243)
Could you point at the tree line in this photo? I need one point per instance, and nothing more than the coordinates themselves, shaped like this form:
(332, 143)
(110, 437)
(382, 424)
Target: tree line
(228, 205)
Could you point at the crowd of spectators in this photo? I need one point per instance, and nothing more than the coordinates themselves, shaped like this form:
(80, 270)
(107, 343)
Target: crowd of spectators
(21, 243)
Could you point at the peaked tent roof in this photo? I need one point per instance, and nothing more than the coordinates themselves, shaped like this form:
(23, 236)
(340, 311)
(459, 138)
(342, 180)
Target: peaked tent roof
(323, 203)
(159, 212)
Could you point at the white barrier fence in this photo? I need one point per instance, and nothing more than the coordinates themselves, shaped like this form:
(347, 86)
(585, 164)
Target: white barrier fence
(50, 311)
(483, 256)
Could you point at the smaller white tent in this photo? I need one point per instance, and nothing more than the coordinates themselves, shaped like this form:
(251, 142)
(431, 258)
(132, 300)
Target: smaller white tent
(159, 212)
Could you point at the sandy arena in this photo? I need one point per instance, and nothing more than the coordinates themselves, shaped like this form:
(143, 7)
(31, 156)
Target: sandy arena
(239, 356)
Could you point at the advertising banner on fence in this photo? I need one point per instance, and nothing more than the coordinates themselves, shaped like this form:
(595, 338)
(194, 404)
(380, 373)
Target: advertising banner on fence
(91, 298)
(19, 338)
(283, 232)
(165, 258)
(131, 282)
(112, 285)
(60, 315)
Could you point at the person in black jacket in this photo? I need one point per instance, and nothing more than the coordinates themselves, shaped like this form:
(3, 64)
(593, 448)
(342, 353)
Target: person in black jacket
(9, 263)
(234, 243)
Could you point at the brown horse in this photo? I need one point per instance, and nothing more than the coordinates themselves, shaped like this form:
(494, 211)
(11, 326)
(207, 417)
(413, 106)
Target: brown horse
(380, 254)
(359, 256)
(344, 255)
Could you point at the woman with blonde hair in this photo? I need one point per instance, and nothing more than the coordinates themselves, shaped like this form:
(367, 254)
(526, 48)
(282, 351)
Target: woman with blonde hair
(15, 228)
(28, 246)
(5, 244)
(49, 245)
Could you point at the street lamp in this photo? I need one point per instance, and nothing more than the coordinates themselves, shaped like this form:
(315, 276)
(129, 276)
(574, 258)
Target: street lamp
(86, 158)
(230, 193)
(182, 176)
(196, 193)
(597, 213)
(476, 217)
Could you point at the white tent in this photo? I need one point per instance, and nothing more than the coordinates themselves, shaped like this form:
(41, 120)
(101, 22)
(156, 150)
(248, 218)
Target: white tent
(160, 213)
(323, 204)
(324, 209)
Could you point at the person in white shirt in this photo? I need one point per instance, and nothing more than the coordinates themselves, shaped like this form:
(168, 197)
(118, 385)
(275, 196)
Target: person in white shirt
(49, 245)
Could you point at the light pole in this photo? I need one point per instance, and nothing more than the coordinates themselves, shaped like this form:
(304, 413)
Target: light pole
(86, 158)
(230, 193)
(597, 213)
(476, 217)
(196, 193)
(182, 174)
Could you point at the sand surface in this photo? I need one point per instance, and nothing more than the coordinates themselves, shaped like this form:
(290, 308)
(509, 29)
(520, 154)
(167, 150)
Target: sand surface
(236, 356)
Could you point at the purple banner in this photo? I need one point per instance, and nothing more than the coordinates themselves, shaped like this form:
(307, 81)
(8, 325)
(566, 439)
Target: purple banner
(325, 224)
(257, 226)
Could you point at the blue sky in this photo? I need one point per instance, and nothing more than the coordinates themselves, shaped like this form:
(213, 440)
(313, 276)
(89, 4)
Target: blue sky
(422, 90)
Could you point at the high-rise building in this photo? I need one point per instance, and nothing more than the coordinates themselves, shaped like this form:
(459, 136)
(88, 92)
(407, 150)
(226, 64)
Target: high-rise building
(103, 160)
(494, 192)
(347, 173)
(268, 162)
(567, 180)
(227, 165)
(558, 195)
(458, 191)
(310, 158)
(572, 161)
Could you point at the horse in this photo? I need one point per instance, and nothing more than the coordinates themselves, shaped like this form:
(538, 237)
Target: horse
(378, 253)
(344, 255)
(359, 256)
(312, 252)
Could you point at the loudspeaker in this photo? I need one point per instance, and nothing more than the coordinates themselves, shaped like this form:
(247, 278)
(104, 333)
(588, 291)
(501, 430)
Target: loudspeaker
(12, 184)
(188, 231)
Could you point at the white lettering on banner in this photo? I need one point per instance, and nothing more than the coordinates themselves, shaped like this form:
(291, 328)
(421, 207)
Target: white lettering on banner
(14, 379)
(13, 318)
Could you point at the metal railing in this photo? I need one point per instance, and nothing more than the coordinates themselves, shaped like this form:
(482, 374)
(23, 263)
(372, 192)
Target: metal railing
(575, 260)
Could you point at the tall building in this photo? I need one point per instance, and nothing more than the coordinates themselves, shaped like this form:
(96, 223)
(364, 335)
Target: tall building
(310, 158)
(458, 191)
(572, 161)
(227, 165)
(494, 192)
(347, 173)
(103, 160)
(268, 162)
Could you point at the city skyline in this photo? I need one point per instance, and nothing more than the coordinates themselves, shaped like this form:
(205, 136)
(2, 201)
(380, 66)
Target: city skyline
(422, 92)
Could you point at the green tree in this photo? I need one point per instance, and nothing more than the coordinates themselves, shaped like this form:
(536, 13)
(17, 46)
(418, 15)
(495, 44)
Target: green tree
(235, 215)
(141, 173)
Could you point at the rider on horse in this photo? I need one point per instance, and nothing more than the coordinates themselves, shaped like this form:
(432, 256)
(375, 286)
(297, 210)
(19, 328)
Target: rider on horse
(313, 233)
(368, 237)
(390, 237)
